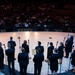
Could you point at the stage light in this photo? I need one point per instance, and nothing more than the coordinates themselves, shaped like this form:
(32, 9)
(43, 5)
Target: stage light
(36, 33)
(27, 34)
(14, 34)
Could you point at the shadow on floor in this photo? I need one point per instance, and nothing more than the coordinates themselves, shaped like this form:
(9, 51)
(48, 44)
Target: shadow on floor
(6, 72)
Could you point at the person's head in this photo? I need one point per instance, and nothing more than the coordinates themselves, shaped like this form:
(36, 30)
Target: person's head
(61, 44)
(51, 43)
(38, 50)
(23, 50)
(25, 41)
(9, 45)
(72, 36)
(55, 50)
(11, 38)
(39, 43)
(68, 37)
(0, 44)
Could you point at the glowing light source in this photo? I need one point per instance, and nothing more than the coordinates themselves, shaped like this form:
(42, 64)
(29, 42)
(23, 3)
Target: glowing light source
(27, 34)
(14, 34)
(36, 33)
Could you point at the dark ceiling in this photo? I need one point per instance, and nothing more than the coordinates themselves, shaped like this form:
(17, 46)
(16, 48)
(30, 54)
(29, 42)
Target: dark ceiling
(37, 1)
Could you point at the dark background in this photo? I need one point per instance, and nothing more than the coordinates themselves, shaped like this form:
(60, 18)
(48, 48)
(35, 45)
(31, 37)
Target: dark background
(37, 1)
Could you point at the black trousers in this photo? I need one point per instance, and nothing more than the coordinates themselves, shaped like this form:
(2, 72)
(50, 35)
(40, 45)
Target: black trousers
(67, 54)
(11, 71)
(37, 69)
(1, 63)
(23, 69)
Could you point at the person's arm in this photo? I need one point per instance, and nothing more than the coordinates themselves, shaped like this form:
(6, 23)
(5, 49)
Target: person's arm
(27, 59)
(43, 49)
(58, 49)
(2, 53)
(34, 59)
(50, 57)
(18, 57)
(71, 56)
(14, 43)
(22, 45)
(43, 58)
(28, 49)
(48, 53)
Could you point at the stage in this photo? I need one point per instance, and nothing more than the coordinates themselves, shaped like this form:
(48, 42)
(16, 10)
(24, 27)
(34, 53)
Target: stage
(33, 38)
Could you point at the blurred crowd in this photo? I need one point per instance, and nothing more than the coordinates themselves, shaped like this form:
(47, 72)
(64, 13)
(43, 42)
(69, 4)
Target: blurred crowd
(34, 17)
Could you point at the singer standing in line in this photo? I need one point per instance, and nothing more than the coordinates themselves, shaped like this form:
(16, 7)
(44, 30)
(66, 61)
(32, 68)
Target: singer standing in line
(73, 61)
(23, 60)
(54, 61)
(61, 54)
(50, 50)
(25, 46)
(1, 57)
(12, 45)
(39, 46)
(60, 50)
(10, 58)
(69, 45)
(38, 59)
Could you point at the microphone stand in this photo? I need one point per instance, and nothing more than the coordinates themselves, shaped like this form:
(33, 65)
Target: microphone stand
(59, 59)
(29, 47)
(5, 55)
(56, 44)
(28, 41)
(19, 42)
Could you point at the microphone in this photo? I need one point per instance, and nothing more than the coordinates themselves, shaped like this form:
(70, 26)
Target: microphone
(19, 41)
(64, 38)
(4, 46)
(47, 44)
(50, 37)
(56, 44)
(28, 41)
(19, 37)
